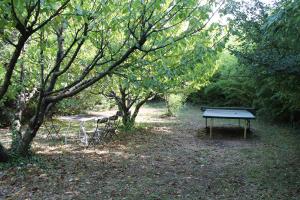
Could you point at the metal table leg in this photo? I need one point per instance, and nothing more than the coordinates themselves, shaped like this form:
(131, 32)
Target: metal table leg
(83, 132)
(245, 129)
(211, 125)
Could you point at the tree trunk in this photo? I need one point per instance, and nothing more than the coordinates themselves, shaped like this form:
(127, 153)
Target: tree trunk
(126, 117)
(20, 106)
(16, 130)
(139, 105)
(35, 123)
(169, 110)
(4, 156)
(11, 65)
(23, 148)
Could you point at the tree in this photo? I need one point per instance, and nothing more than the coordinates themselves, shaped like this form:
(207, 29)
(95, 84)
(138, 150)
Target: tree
(179, 69)
(232, 84)
(129, 96)
(78, 49)
(21, 19)
(265, 35)
(267, 48)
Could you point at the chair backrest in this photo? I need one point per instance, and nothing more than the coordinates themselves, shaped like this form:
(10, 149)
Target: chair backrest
(119, 113)
(113, 118)
(102, 120)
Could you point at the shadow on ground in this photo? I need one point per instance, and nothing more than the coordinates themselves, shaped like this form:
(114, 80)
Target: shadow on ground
(169, 158)
(227, 133)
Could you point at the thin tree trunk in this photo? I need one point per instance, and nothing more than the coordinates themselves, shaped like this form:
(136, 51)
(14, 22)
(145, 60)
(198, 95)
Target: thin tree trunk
(16, 127)
(23, 148)
(126, 118)
(11, 65)
(20, 105)
(4, 156)
(138, 107)
(167, 101)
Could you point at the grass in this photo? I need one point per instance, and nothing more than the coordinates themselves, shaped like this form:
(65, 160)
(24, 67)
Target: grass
(164, 158)
(276, 171)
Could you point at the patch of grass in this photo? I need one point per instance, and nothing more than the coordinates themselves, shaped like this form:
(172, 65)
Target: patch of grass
(274, 167)
(20, 162)
(156, 105)
(130, 130)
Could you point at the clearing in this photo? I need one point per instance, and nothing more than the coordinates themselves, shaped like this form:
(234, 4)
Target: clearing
(163, 158)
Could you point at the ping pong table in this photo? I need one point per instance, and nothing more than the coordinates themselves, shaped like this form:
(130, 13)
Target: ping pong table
(239, 113)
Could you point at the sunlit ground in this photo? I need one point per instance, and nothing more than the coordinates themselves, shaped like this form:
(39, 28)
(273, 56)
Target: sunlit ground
(163, 158)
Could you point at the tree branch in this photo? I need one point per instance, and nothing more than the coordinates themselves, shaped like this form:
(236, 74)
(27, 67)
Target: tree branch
(56, 13)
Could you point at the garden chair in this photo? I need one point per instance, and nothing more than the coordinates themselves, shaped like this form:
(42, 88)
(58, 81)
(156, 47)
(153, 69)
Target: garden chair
(53, 130)
(105, 129)
(98, 133)
(111, 126)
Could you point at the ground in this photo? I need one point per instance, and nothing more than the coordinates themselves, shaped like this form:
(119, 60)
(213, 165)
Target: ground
(163, 158)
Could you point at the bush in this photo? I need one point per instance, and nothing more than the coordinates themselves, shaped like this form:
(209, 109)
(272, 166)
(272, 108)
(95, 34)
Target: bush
(174, 103)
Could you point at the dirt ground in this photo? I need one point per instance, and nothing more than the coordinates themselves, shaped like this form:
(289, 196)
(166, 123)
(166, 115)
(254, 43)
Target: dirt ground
(163, 158)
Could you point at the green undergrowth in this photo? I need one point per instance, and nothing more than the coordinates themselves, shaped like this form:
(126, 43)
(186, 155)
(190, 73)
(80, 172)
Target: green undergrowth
(22, 162)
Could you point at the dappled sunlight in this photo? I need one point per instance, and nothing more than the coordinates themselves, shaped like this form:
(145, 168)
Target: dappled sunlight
(144, 156)
(122, 154)
(104, 113)
(157, 158)
(5, 137)
(155, 116)
(136, 99)
(50, 150)
(155, 121)
(164, 130)
(101, 152)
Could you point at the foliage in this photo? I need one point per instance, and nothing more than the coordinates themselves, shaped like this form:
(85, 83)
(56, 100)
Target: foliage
(181, 68)
(80, 103)
(262, 68)
(61, 48)
(17, 161)
(174, 102)
(231, 85)
(265, 37)
(276, 60)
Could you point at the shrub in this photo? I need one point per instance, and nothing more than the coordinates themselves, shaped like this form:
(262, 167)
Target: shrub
(174, 103)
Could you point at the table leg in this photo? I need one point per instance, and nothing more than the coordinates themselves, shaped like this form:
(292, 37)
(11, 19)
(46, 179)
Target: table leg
(211, 125)
(205, 122)
(245, 129)
(85, 137)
